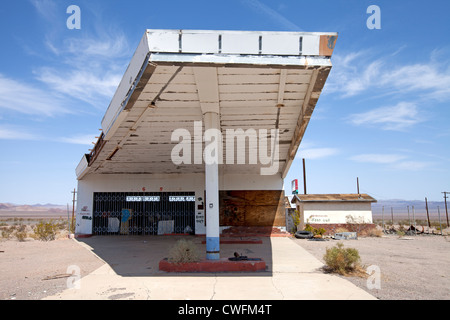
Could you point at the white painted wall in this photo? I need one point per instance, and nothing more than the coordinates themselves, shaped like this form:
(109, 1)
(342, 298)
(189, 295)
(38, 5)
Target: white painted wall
(336, 212)
(169, 182)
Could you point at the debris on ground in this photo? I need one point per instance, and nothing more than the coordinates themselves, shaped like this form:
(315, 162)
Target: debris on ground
(238, 257)
(58, 276)
(413, 231)
(346, 236)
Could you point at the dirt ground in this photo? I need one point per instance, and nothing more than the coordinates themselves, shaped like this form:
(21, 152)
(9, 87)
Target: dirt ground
(32, 270)
(411, 267)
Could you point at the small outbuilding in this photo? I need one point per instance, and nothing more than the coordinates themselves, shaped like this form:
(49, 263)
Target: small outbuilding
(333, 209)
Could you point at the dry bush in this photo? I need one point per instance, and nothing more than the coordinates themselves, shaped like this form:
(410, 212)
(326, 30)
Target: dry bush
(46, 231)
(21, 233)
(344, 261)
(184, 251)
(7, 232)
(341, 229)
(296, 220)
(372, 232)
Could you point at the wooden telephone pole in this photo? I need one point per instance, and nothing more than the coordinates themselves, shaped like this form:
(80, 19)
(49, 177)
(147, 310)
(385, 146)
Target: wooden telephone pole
(73, 209)
(445, 200)
(304, 177)
(428, 215)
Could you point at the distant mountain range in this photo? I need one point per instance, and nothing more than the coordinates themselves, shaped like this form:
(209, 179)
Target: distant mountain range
(399, 207)
(35, 207)
(403, 204)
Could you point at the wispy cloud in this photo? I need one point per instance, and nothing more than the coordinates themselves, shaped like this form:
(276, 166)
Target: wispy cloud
(16, 133)
(398, 117)
(392, 161)
(309, 151)
(357, 73)
(90, 87)
(412, 165)
(47, 9)
(85, 139)
(91, 67)
(378, 158)
(86, 65)
(275, 16)
(28, 99)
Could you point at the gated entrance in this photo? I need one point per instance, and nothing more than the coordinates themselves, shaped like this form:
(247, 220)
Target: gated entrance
(149, 213)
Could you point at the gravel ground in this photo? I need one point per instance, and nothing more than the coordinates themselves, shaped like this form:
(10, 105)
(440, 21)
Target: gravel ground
(26, 266)
(411, 268)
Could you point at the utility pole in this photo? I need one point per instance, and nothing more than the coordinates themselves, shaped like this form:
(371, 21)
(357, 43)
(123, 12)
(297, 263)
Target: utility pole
(445, 200)
(304, 177)
(428, 215)
(73, 208)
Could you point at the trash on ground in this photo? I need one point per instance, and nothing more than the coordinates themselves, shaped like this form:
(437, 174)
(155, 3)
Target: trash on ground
(238, 257)
(346, 236)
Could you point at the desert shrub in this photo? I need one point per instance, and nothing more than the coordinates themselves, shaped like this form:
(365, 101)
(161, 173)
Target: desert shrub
(21, 232)
(342, 260)
(341, 230)
(400, 233)
(309, 228)
(46, 231)
(371, 232)
(7, 232)
(355, 224)
(184, 251)
(295, 219)
(315, 231)
(319, 231)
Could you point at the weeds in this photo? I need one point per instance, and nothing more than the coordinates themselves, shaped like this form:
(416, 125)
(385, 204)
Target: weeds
(21, 233)
(184, 251)
(344, 261)
(372, 232)
(46, 231)
(296, 220)
(7, 232)
(317, 232)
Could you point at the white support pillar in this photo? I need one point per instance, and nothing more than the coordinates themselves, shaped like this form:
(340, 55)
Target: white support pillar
(212, 156)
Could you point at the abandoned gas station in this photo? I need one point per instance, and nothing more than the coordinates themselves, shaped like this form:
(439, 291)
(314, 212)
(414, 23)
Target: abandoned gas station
(201, 133)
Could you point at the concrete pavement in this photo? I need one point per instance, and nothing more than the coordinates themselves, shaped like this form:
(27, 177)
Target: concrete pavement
(130, 271)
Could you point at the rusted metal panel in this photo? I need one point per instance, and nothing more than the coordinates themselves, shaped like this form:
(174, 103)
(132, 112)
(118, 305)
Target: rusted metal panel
(327, 43)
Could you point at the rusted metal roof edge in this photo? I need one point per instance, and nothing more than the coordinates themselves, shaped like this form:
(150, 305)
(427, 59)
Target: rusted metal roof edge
(338, 198)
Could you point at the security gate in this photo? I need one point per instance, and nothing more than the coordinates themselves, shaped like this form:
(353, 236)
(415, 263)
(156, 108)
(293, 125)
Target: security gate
(149, 213)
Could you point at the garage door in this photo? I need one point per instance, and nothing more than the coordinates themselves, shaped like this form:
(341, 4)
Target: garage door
(157, 213)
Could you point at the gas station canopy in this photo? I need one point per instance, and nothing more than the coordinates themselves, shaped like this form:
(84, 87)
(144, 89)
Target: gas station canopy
(252, 80)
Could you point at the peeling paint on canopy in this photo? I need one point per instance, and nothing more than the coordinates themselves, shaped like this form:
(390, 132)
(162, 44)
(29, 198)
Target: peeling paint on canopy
(254, 80)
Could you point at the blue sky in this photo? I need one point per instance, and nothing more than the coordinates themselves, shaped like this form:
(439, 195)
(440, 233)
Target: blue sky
(383, 115)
